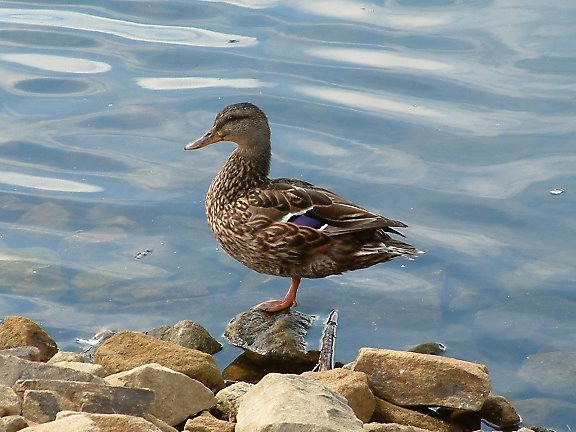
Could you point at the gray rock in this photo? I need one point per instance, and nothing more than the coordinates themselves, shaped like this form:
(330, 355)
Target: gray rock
(229, 400)
(66, 356)
(91, 397)
(9, 401)
(408, 379)
(281, 335)
(188, 334)
(292, 403)
(177, 395)
(41, 406)
(31, 353)
(14, 423)
(13, 369)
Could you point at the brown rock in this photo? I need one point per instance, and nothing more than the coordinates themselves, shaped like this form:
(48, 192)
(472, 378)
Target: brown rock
(127, 350)
(350, 384)
(9, 401)
(84, 422)
(177, 395)
(407, 379)
(387, 412)
(13, 369)
(88, 397)
(17, 331)
(14, 423)
(208, 423)
(391, 427)
(498, 411)
(163, 426)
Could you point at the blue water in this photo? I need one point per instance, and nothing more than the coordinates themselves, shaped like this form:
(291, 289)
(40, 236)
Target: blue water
(456, 117)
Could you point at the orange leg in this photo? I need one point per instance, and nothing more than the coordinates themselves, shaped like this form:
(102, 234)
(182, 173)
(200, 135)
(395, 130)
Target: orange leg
(287, 302)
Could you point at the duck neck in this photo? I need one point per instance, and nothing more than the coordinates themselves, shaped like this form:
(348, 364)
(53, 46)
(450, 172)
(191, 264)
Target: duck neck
(245, 169)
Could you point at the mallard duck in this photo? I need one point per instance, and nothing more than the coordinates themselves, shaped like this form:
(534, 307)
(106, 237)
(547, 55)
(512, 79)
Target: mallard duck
(286, 227)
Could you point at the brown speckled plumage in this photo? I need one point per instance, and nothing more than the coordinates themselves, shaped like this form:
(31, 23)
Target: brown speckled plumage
(259, 221)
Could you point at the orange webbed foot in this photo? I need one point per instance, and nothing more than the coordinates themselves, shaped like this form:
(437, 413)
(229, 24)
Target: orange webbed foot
(274, 305)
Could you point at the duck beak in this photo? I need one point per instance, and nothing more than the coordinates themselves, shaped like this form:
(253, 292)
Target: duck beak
(210, 137)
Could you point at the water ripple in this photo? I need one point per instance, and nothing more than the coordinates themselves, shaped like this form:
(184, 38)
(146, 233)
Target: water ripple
(125, 29)
(199, 82)
(46, 183)
(55, 63)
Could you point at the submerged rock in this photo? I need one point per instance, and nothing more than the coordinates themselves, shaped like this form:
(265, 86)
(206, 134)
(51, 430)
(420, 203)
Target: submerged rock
(553, 372)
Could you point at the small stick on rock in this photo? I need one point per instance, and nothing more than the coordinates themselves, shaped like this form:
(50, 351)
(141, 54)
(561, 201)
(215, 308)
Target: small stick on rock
(327, 343)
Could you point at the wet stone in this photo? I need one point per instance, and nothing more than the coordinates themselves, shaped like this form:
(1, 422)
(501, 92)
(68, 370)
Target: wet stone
(188, 334)
(17, 331)
(499, 412)
(251, 367)
(280, 335)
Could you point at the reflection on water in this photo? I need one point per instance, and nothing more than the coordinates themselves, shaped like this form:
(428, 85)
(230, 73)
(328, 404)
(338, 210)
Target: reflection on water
(454, 117)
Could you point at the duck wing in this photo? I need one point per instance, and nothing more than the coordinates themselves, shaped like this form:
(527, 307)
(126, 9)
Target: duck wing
(337, 214)
(299, 202)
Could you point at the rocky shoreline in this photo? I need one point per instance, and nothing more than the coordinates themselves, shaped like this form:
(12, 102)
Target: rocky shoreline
(165, 382)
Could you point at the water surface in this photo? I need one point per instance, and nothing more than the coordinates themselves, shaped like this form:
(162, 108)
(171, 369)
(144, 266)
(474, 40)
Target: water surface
(455, 117)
